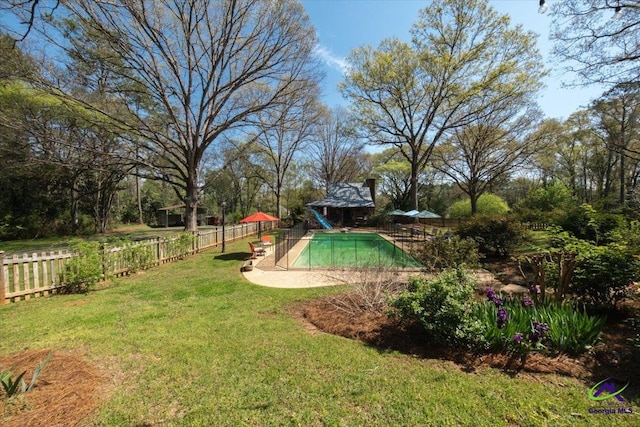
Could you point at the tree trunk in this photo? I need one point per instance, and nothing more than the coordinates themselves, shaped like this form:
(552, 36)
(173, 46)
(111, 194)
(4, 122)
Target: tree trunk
(414, 186)
(278, 198)
(473, 196)
(106, 209)
(139, 198)
(75, 201)
(622, 177)
(191, 202)
(97, 209)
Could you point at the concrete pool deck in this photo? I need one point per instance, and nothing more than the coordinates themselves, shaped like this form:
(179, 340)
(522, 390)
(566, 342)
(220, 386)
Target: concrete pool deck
(275, 277)
(266, 273)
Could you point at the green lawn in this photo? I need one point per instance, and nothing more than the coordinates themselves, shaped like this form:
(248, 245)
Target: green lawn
(55, 243)
(195, 344)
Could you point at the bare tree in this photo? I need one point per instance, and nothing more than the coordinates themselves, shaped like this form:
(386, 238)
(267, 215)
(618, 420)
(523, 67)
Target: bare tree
(285, 131)
(479, 155)
(617, 116)
(26, 11)
(208, 66)
(336, 153)
(594, 45)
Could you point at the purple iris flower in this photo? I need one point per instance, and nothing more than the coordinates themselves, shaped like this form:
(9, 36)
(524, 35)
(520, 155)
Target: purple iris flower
(537, 325)
(491, 296)
(539, 330)
(502, 318)
(535, 337)
(517, 337)
(540, 327)
(527, 302)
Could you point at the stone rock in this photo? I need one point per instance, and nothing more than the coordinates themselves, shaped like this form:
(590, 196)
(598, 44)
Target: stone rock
(512, 288)
(485, 278)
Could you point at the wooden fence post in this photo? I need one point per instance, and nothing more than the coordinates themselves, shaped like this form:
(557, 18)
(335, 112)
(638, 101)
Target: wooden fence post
(2, 279)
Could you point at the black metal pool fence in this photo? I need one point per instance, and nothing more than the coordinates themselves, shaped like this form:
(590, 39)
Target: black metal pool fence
(287, 239)
(402, 237)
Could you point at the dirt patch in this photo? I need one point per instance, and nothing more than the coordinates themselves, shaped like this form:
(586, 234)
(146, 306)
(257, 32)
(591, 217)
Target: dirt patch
(67, 392)
(613, 357)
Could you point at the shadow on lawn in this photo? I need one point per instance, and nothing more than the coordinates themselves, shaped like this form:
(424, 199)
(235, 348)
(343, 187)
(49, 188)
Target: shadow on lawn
(232, 256)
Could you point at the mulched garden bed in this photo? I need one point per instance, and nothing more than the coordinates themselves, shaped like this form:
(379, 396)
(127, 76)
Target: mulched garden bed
(67, 392)
(613, 357)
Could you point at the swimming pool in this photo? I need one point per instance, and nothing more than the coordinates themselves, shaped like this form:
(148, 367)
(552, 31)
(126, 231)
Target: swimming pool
(338, 250)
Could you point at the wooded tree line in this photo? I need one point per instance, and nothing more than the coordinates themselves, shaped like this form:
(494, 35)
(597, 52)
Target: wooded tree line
(109, 111)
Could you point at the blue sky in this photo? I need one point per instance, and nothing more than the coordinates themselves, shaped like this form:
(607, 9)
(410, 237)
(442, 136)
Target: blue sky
(343, 25)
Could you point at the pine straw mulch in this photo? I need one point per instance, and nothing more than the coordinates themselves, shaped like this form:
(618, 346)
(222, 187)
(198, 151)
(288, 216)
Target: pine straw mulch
(613, 357)
(67, 392)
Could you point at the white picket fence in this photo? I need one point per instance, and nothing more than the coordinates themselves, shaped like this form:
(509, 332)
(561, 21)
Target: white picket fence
(24, 276)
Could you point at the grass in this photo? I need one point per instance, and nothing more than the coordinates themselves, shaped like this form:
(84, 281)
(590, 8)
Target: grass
(56, 243)
(193, 343)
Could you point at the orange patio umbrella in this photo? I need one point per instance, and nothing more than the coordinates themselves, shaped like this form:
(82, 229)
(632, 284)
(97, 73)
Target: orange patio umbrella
(259, 217)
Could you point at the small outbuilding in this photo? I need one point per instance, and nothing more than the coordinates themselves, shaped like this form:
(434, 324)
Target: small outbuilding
(173, 216)
(348, 204)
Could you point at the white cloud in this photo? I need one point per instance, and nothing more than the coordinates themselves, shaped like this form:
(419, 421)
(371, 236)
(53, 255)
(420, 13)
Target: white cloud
(331, 60)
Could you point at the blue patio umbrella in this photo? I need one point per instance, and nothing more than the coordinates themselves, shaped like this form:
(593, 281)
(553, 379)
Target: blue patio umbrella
(395, 212)
(426, 214)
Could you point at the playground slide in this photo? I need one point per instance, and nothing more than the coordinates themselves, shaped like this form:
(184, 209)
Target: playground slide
(322, 220)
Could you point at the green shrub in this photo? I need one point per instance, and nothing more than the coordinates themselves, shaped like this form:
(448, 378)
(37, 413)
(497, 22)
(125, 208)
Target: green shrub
(443, 306)
(597, 276)
(631, 236)
(10, 385)
(488, 204)
(603, 274)
(555, 196)
(84, 269)
(185, 241)
(494, 235)
(440, 253)
(570, 330)
(135, 255)
(584, 222)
